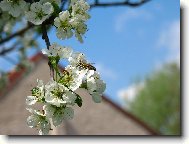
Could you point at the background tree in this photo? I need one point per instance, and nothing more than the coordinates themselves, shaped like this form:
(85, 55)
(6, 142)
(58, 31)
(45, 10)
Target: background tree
(158, 102)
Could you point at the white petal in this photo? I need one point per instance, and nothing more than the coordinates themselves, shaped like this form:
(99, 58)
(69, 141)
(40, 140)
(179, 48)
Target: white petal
(64, 15)
(5, 5)
(101, 86)
(44, 127)
(97, 98)
(57, 119)
(49, 110)
(36, 7)
(15, 11)
(45, 52)
(40, 83)
(47, 8)
(79, 37)
(69, 33)
(68, 113)
(30, 100)
(33, 121)
(57, 22)
(91, 86)
(69, 97)
(60, 33)
(67, 51)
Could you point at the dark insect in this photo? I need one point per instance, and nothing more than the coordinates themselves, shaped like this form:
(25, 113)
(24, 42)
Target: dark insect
(65, 72)
(86, 66)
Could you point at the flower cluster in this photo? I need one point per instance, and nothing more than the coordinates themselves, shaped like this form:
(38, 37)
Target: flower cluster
(68, 23)
(14, 7)
(73, 20)
(51, 103)
(59, 95)
(39, 12)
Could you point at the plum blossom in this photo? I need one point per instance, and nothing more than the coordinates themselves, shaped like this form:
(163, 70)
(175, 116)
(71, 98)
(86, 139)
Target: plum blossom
(14, 7)
(39, 12)
(63, 25)
(72, 21)
(95, 86)
(58, 96)
(57, 50)
(38, 120)
(58, 114)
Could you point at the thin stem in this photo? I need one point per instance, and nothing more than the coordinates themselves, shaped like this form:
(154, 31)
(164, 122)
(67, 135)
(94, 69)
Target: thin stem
(48, 44)
(45, 35)
(56, 73)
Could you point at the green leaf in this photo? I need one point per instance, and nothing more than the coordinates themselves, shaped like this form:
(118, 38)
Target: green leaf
(83, 85)
(36, 91)
(57, 10)
(78, 100)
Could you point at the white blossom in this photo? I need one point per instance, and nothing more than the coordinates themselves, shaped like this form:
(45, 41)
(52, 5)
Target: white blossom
(30, 100)
(39, 12)
(38, 91)
(49, 110)
(79, 16)
(57, 117)
(76, 57)
(57, 50)
(68, 113)
(95, 86)
(63, 25)
(58, 2)
(73, 78)
(5, 17)
(40, 85)
(56, 113)
(97, 98)
(44, 127)
(79, 10)
(57, 94)
(14, 7)
(67, 22)
(40, 121)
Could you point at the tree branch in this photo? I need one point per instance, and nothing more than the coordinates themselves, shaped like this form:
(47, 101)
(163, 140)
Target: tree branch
(45, 36)
(17, 34)
(21, 32)
(125, 3)
(7, 50)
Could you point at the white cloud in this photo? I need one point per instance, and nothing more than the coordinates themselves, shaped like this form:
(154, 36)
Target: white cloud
(128, 94)
(170, 39)
(127, 16)
(105, 71)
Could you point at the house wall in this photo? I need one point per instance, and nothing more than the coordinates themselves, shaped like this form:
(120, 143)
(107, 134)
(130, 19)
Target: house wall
(90, 119)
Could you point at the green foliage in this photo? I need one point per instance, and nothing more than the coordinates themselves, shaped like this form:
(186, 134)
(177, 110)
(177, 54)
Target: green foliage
(78, 101)
(158, 103)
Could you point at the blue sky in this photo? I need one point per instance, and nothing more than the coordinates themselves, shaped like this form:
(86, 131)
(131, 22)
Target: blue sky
(127, 43)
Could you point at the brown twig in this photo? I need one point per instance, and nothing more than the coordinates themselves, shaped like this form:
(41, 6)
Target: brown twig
(7, 50)
(125, 3)
(17, 34)
(45, 36)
